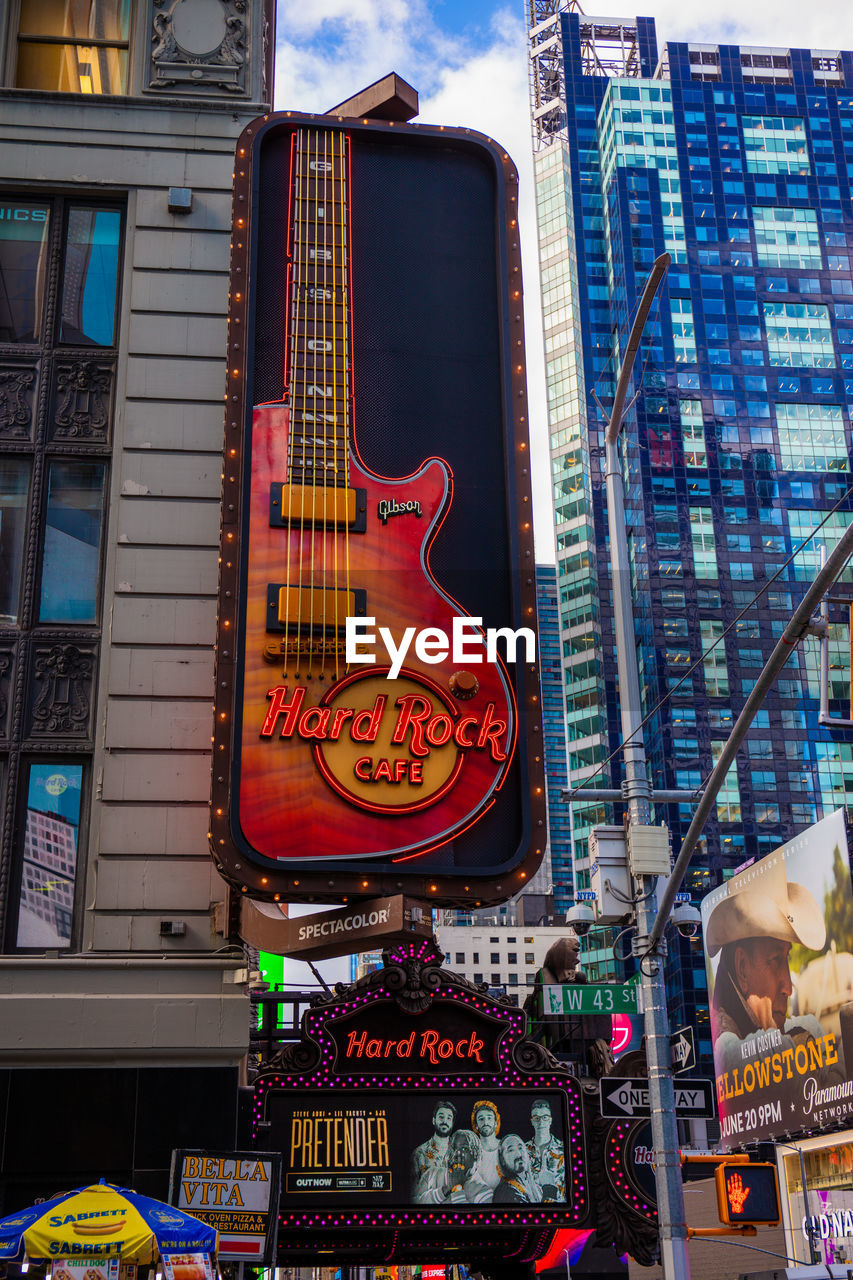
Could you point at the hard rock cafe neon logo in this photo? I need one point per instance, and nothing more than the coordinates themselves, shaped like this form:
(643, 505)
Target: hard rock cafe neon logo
(393, 751)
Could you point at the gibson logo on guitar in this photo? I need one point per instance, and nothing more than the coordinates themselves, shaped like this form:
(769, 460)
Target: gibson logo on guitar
(386, 509)
(418, 751)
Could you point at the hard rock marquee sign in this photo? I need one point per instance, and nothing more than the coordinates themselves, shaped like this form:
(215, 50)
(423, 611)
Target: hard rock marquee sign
(414, 1117)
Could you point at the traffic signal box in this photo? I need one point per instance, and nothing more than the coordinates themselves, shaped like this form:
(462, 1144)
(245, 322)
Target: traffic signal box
(747, 1193)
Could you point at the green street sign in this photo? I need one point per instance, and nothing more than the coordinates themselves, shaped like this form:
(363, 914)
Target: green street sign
(591, 997)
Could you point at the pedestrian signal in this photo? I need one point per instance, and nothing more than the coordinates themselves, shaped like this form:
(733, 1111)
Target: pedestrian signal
(747, 1193)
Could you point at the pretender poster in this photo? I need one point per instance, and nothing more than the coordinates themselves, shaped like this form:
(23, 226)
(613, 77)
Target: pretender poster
(467, 1148)
(779, 956)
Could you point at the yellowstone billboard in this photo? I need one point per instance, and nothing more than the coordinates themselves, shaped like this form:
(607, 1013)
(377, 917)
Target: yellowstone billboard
(779, 955)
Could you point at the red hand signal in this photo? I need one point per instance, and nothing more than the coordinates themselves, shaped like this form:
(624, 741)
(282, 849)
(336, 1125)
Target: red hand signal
(736, 1192)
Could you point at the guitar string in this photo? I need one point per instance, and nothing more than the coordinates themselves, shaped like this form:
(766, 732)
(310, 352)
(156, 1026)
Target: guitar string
(319, 167)
(300, 536)
(334, 525)
(335, 426)
(325, 478)
(345, 198)
(301, 553)
(293, 304)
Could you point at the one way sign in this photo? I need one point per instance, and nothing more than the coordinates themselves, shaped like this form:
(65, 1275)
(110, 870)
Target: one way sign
(694, 1099)
(682, 1050)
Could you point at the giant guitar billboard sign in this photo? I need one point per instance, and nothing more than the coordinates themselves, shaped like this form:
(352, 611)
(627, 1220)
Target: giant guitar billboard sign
(377, 702)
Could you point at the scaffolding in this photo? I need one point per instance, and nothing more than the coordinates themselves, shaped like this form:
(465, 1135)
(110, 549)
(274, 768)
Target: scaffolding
(609, 47)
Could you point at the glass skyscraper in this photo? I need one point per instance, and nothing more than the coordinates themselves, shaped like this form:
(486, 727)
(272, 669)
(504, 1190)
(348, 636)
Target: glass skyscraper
(738, 162)
(559, 852)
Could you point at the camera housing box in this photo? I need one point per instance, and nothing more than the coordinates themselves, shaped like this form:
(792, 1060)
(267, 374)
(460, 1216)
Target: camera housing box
(608, 855)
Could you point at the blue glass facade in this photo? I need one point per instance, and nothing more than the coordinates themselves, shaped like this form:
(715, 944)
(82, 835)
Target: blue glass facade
(739, 163)
(554, 732)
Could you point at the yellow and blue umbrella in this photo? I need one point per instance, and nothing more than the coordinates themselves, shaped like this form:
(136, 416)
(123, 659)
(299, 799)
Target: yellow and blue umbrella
(102, 1222)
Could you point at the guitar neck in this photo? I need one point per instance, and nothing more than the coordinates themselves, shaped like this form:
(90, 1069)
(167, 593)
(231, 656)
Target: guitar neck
(317, 376)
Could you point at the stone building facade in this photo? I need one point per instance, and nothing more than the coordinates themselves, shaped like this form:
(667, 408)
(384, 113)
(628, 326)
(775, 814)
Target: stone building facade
(119, 120)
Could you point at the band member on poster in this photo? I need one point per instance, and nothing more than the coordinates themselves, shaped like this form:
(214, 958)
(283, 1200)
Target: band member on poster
(753, 929)
(547, 1157)
(429, 1160)
(463, 1154)
(517, 1184)
(485, 1175)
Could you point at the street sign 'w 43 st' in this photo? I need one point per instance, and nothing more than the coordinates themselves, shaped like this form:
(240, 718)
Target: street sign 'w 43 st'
(589, 997)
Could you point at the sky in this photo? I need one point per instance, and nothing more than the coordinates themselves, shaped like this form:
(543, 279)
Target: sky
(468, 62)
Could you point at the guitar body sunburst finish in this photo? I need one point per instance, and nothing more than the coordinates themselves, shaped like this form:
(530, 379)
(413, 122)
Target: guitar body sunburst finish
(289, 805)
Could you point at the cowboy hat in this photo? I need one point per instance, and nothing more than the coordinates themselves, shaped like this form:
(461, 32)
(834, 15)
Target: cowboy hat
(764, 903)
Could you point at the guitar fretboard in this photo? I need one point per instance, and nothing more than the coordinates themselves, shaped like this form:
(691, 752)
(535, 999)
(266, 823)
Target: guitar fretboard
(318, 370)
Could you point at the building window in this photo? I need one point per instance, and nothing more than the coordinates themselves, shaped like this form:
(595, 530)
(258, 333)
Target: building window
(73, 46)
(787, 237)
(59, 271)
(475, 957)
(496, 979)
(683, 330)
(704, 542)
(512, 958)
(460, 957)
(49, 864)
(811, 437)
(714, 662)
(775, 144)
(478, 977)
(728, 798)
(528, 957)
(799, 334)
(495, 958)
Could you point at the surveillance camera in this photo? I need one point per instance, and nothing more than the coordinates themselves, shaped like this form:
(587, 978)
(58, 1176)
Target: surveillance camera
(686, 919)
(580, 918)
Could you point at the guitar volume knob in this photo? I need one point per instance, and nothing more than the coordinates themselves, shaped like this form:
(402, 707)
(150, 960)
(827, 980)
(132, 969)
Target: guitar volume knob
(463, 685)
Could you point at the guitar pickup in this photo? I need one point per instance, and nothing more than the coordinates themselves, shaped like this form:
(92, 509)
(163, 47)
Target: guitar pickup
(330, 506)
(294, 608)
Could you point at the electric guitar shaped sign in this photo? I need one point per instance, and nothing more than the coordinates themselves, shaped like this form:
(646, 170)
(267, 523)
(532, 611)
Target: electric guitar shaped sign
(373, 719)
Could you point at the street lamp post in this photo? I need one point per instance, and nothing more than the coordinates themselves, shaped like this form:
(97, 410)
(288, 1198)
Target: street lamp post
(670, 1195)
(790, 1146)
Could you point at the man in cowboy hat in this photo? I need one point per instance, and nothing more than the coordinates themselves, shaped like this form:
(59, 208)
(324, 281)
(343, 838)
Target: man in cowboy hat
(753, 928)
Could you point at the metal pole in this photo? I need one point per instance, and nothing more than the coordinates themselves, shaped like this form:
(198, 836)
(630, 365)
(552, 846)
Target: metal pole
(802, 621)
(637, 792)
(813, 1258)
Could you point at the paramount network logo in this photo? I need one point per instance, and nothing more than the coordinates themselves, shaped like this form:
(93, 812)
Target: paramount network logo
(467, 644)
